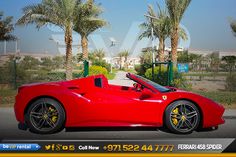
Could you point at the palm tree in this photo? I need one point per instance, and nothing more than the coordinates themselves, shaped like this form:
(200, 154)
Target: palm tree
(6, 27)
(123, 54)
(176, 9)
(99, 54)
(120, 55)
(87, 22)
(161, 26)
(58, 12)
(233, 27)
(230, 63)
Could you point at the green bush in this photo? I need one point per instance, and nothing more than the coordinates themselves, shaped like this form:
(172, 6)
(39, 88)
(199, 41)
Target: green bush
(58, 76)
(231, 83)
(161, 77)
(141, 69)
(160, 74)
(95, 70)
(102, 63)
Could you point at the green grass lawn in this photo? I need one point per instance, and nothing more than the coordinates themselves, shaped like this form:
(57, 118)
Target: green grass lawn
(112, 75)
(228, 99)
(7, 92)
(205, 74)
(7, 97)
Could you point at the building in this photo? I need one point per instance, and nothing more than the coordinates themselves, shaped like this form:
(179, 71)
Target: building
(117, 62)
(207, 52)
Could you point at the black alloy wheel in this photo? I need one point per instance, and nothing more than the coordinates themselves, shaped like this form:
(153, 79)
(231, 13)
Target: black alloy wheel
(182, 117)
(45, 116)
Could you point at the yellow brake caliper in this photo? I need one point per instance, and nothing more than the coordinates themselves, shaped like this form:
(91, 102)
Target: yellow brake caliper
(54, 117)
(174, 118)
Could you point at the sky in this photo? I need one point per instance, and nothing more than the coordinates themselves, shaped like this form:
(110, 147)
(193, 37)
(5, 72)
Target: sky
(205, 21)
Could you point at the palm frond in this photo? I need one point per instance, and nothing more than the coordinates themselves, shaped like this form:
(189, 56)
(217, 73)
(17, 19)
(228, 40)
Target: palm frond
(87, 18)
(233, 27)
(182, 34)
(176, 9)
(160, 25)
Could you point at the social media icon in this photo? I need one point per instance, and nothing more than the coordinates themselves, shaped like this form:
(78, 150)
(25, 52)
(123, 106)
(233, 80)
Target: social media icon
(48, 147)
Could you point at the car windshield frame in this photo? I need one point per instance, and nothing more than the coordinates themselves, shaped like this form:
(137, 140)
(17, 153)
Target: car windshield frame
(154, 85)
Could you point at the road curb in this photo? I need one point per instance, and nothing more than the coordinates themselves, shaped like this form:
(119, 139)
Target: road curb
(230, 114)
(229, 117)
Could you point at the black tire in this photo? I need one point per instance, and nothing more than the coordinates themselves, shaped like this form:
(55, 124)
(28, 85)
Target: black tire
(45, 116)
(182, 117)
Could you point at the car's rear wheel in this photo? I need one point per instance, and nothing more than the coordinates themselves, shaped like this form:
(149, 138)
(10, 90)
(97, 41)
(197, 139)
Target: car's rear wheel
(45, 116)
(182, 117)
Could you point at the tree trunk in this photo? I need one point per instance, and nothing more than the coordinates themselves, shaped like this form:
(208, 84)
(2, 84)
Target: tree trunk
(161, 50)
(174, 44)
(84, 43)
(126, 64)
(68, 41)
(120, 63)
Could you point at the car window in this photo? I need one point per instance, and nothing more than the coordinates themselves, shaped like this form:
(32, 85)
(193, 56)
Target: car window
(98, 82)
(155, 85)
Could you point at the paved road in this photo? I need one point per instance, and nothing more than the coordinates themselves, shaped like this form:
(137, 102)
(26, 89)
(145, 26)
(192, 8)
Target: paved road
(121, 79)
(9, 131)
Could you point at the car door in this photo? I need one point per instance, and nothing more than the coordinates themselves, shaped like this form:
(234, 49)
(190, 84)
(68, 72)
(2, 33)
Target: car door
(126, 107)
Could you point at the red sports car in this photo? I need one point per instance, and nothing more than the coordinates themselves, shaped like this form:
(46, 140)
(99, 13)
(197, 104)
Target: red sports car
(92, 102)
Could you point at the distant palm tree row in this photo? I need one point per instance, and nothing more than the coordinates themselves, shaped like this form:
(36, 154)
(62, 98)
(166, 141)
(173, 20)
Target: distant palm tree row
(82, 17)
(123, 54)
(166, 24)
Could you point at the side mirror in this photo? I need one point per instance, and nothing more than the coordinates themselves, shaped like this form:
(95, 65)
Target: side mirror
(146, 93)
(138, 87)
(135, 85)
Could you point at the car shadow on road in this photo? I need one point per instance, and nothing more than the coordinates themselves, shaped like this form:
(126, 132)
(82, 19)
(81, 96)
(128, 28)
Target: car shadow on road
(91, 129)
(164, 129)
(75, 129)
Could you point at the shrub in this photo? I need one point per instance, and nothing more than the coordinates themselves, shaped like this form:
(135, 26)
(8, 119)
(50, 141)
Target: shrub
(95, 70)
(141, 69)
(56, 76)
(59, 76)
(231, 82)
(102, 63)
(161, 76)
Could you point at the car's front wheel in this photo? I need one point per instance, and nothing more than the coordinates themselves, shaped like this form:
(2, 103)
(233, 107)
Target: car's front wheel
(182, 117)
(45, 116)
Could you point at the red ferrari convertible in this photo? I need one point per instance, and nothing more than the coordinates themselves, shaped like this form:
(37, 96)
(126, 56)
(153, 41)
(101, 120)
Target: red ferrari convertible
(91, 102)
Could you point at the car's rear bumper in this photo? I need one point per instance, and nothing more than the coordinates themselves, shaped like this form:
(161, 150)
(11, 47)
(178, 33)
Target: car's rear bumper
(19, 109)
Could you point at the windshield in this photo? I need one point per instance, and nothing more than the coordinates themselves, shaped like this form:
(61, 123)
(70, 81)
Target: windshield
(155, 85)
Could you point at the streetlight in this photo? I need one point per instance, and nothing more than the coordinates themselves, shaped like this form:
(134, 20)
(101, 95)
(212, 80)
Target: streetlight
(152, 34)
(170, 64)
(57, 42)
(16, 45)
(15, 61)
(5, 47)
(153, 47)
(113, 43)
